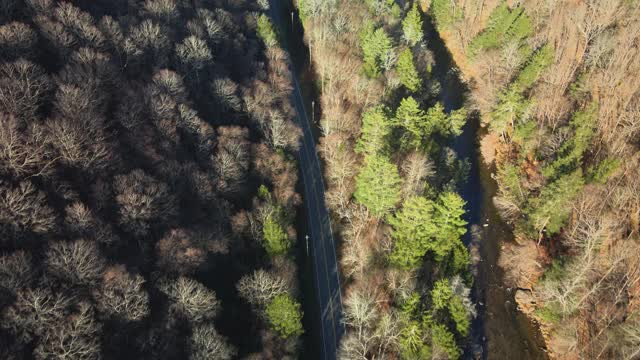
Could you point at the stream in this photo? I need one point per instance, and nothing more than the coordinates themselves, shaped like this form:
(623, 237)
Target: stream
(500, 331)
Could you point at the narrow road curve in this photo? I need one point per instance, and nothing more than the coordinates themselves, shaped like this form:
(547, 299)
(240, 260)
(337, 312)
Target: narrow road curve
(323, 249)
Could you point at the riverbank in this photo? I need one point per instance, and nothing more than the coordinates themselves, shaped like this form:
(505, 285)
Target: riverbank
(500, 330)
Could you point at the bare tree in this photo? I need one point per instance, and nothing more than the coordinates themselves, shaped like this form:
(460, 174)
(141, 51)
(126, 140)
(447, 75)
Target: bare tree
(77, 337)
(170, 83)
(261, 287)
(24, 210)
(194, 55)
(24, 150)
(225, 92)
(178, 252)
(161, 10)
(77, 262)
(22, 88)
(148, 43)
(15, 270)
(34, 312)
(207, 344)
(417, 168)
(361, 315)
(17, 40)
(81, 144)
(190, 299)
(79, 24)
(206, 26)
(142, 201)
(79, 218)
(232, 159)
(122, 294)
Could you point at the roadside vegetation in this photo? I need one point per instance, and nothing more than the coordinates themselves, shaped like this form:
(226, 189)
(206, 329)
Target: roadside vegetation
(556, 84)
(384, 133)
(147, 174)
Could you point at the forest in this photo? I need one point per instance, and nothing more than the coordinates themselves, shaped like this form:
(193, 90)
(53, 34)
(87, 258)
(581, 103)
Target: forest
(147, 182)
(150, 172)
(554, 85)
(393, 181)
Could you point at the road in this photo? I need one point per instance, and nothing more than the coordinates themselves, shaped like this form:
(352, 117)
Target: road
(321, 241)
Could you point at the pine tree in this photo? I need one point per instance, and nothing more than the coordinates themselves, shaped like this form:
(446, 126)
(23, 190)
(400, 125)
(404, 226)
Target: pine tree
(409, 76)
(412, 26)
(552, 208)
(443, 297)
(540, 60)
(512, 107)
(413, 120)
(376, 127)
(444, 341)
(449, 211)
(505, 26)
(423, 225)
(570, 154)
(457, 120)
(276, 241)
(413, 230)
(376, 46)
(378, 185)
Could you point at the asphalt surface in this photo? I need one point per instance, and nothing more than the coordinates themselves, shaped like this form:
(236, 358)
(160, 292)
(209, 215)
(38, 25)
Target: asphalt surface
(322, 247)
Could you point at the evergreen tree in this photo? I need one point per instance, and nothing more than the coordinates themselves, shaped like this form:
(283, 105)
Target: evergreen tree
(276, 241)
(413, 230)
(423, 225)
(443, 298)
(437, 119)
(444, 13)
(376, 127)
(266, 31)
(378, 185)
(449, 222)
(570, 154)
(376, 46)
(540, 60)
(505, 26)
(409, 76)
(413, 120)
(511, 107)
(552, 208)
(412, 26)
(285, 316)
(444, 341)
(457, 120)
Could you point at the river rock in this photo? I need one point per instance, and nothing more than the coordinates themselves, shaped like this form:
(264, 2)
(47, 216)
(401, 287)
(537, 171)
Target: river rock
(525, 300)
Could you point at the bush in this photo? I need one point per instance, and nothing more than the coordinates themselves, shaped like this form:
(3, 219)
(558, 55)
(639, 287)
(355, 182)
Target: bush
(285, 316)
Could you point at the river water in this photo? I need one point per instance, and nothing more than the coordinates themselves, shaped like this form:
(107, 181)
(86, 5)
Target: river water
(499, 331)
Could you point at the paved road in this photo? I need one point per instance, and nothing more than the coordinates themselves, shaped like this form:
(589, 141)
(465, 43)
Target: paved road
(321, 242)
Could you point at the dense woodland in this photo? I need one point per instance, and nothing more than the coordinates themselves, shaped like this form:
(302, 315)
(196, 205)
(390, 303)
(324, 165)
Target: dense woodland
(393, 181)
(147, 182)
(557, 85)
